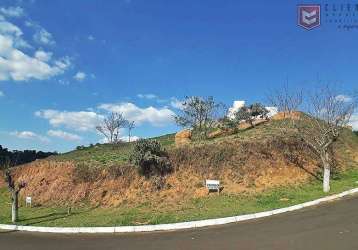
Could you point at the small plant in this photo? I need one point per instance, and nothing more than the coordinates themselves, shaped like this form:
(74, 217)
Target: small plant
(80, 147)
(150, 158)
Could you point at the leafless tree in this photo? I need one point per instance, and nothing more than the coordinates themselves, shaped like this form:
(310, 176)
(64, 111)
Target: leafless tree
(328, 115)
(15, 190)
(286, 100)
(111, 126)
(130, 126)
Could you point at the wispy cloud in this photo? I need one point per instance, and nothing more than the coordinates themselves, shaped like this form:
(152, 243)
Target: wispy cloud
(41, 36)
(80, 121)
(344, 98)
(175, 103)
(80, 76)
(12, 11)
(154, 116)
(29, 135)
(64, 135)
(147, 96)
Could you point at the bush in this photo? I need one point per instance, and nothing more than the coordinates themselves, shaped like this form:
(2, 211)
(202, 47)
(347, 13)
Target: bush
(86, 172)
(150, 158)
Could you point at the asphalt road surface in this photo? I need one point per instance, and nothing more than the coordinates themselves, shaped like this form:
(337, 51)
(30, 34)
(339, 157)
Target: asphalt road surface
(333, 226)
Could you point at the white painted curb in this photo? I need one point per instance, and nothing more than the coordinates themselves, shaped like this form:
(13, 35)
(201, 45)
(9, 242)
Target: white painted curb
(175, 226)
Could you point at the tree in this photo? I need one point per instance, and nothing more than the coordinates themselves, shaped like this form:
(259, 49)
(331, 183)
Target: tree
(14, 190)
(286, 100)
(199, 113)
(130, 126)
(16, 157)
(327, 116)
(250, 113)
(111, 126)
(258, 110)
(244, 114)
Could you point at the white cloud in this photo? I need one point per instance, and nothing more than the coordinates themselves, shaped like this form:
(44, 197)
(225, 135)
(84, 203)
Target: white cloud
(19, 66)
(354, 121)
(44, 37)
(344, 98)
(14, 32)
(9, 29)
(43, 56)
(64, 135)
(80, 121)
(90, 37)
(147, 96)
(41, 36)
(80, 76)
(16, 65)
(154, 116)
(2, 94)
(29, 135)
(175, 103)
(235, 107)
(12, 11)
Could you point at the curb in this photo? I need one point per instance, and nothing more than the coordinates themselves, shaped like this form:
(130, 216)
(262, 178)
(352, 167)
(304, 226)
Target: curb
(175, 226)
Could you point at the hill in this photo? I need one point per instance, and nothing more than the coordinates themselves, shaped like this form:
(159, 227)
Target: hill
(249, 161)
(259, 168)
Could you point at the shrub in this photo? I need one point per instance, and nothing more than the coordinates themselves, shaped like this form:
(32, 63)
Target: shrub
(150, 158)
(86, 173)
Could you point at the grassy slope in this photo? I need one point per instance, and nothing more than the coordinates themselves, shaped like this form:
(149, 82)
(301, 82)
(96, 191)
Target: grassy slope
(211, 206)
(106, 154)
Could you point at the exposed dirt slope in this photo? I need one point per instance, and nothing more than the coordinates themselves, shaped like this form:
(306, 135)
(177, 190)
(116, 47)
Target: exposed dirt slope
(242, 165)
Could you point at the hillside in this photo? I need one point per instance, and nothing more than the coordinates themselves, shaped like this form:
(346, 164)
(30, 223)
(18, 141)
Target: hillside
(249, 161)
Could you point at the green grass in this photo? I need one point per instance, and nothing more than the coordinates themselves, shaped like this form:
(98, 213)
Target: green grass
(213, 206)
(106, 154)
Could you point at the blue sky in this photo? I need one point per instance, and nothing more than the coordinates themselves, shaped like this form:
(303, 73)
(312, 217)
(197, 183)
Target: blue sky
(64, 65)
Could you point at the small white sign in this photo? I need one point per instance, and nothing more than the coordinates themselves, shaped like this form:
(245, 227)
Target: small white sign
(212, 185)
(28, 201)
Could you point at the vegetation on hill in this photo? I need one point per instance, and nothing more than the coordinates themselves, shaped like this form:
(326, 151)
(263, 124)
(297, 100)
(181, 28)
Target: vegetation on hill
(17, 157)
(105, 155)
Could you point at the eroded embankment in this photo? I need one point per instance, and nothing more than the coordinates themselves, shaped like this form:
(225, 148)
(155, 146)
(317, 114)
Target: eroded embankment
(240, 166)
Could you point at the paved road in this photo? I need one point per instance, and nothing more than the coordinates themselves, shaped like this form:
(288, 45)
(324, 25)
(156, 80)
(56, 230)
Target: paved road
(332, 226)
